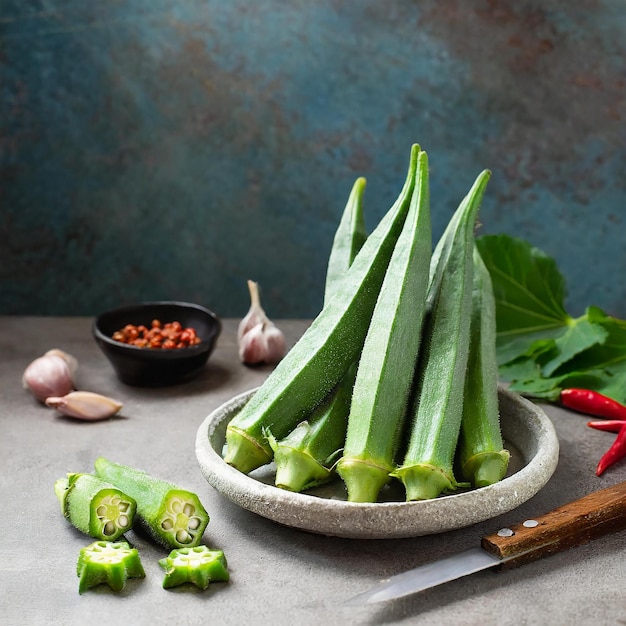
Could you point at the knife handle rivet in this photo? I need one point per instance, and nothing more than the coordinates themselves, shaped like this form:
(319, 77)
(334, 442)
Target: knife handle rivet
(505, 532)
(530, 523)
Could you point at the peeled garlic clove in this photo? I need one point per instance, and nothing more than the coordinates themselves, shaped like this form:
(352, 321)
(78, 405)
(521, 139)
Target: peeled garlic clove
(256, 314)
(85, 405)
(48, 375)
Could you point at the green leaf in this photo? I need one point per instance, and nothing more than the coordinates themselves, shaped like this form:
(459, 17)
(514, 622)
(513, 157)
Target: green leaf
(528, 287)
(541, 348)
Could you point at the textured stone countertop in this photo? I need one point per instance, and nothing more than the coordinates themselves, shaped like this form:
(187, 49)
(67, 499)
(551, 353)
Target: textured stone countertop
(279, 575)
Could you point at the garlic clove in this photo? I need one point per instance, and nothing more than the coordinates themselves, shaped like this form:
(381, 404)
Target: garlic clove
(48, 375)
(253, 346)
(276, 345)
(85, 405)
(256, 314)
(68, 358)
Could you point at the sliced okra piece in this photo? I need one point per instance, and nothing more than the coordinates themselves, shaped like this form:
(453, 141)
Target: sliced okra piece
(171, 516)
(95, 506)
(108, 562)
(198, 566)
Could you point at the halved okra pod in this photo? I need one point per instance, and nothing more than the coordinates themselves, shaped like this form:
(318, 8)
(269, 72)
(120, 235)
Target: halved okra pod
(427, 469)
(481, 457)
(171, 516)
(95, 506)
(306, 457)
(322, 356)
(387, 363)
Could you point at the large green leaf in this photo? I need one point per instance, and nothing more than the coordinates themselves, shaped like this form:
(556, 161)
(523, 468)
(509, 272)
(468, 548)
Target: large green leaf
(541, 348)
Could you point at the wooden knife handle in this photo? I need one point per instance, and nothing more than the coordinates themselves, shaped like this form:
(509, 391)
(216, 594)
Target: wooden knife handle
(576, 523)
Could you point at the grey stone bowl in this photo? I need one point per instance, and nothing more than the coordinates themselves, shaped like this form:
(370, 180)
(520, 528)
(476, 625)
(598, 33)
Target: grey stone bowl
(528, 433)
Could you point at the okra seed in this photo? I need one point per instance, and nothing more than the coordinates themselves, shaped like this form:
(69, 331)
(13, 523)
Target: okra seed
(177, 506)
(182, 536)
(101, 510)
(122, 521)
(167, 524)
(189, 509)
(109, 528)
(194, 523)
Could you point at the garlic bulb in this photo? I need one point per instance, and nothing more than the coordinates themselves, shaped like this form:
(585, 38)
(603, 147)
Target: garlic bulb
(50, 375)
(85, 405)
(259, 339)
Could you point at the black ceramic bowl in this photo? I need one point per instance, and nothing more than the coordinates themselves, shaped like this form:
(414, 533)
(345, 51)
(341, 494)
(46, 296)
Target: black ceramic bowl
(150, 367)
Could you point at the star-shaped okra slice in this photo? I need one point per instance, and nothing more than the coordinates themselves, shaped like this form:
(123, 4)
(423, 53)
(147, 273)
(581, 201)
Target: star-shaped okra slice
(197, 566)
(108, 562)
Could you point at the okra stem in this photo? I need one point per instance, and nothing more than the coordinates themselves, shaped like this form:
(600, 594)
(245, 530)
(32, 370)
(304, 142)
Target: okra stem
(171, 516)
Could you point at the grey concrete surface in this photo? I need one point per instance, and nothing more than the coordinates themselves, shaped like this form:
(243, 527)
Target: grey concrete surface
(278, 575)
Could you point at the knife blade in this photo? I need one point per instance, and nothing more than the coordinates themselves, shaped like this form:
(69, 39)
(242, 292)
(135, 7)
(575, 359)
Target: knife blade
(597, 514)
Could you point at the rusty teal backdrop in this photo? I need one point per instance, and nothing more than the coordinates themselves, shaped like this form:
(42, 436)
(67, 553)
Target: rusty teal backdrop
(160, 149)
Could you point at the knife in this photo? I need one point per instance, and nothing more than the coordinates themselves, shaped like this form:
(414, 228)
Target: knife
(597, 514)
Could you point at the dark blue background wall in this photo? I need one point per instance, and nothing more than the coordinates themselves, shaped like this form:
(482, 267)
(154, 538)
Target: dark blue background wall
(159, 149)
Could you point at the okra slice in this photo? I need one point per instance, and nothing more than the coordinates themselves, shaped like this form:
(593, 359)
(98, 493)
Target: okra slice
(171, 516)
(427, 469)
(322, 356)
(198, 566)
(306, 458)
(482, 459)
(387, 362)
(108, 562)
(95, 506)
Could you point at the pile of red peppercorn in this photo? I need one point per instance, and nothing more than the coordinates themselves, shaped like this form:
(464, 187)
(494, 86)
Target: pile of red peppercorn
(170, 335)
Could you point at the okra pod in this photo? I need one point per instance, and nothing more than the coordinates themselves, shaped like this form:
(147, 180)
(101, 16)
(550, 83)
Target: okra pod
(387, 363)
(94, 506)
(321, 357)
(348, 240)
(306, 457)
(427, 468)
(171, 516)
(482, 459)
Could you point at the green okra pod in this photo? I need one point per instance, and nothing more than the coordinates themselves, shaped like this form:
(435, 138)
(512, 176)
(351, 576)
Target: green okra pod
(482, 459)
(427, 468)
(171, 516)
(348, 240)
(95, 506)
(387, 363)
(322, 356)
(306, 457)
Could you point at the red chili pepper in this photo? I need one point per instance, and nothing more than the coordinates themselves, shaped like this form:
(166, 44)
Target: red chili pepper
(615, 453)
(611, 426)
(593, 403)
